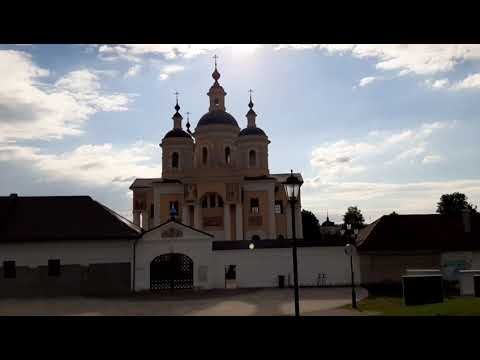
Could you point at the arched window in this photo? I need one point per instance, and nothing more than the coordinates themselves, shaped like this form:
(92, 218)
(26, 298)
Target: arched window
(252, 158)
(204, 156)
(255, 237)
(227, 156)
(175, 158)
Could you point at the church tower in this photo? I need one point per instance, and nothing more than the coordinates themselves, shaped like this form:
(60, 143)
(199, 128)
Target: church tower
(177, 146)
(216, 134)
(253, 146)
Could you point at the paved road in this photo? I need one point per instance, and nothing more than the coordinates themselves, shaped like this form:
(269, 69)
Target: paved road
(238, 302)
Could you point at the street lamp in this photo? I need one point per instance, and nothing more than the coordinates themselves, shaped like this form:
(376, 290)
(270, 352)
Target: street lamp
(292, 189)
(349, 250)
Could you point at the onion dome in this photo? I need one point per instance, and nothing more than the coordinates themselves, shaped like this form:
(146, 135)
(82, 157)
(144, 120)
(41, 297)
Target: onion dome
(217, 117)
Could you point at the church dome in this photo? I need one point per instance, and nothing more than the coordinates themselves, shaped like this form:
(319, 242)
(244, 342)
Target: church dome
(252, 131)
(217, 117)
(177, 133)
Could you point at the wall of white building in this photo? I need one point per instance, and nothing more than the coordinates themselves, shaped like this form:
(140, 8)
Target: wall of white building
(69, 252)
(261, 267)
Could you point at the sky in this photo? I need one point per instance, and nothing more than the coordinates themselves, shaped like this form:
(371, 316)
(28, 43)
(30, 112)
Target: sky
(381, 127)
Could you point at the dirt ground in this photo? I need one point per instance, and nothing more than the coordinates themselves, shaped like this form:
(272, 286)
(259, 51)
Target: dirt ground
(231, 302)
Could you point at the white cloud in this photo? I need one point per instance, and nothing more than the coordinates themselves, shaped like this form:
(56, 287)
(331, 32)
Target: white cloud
(32, 109)
(432, 159)
(133, 70)
(170, 69)
(470, 82)
(345, 158)
(99, 165)
(438, 84)
(420, 59)
(366, 80)
(135, 52)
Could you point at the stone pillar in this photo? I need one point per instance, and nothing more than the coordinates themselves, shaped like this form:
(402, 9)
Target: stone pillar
(227, 222)
(272, 234)
(136, 217)
(197, 217)
(185, 215)
(239, 221)
(156, 206)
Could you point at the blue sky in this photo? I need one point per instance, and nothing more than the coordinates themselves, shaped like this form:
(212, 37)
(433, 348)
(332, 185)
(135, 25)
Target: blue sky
(383, 127)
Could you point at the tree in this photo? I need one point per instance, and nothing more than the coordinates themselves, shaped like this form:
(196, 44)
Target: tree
(311, 225)
(393, 213)
(354, 217)
(454, 203)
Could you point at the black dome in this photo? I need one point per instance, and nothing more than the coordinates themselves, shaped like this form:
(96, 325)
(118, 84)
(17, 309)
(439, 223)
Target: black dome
(252, 131)
(217, 117)
(177, 133)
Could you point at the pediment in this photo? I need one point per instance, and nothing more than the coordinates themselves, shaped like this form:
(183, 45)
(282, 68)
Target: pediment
(176, 231)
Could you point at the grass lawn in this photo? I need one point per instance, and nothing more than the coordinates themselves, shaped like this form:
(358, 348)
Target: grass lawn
(393, 306)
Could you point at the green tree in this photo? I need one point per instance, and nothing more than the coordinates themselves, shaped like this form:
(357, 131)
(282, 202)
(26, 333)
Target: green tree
(354, 217)
(311, 225)
(454, 203)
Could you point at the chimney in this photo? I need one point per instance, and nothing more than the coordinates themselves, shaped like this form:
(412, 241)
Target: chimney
(466, 220)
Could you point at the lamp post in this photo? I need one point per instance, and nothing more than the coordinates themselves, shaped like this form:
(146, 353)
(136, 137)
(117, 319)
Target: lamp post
(292, 189)
(349, 249)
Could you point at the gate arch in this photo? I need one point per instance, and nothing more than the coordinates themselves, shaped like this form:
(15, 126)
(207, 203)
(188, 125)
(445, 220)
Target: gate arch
(171, 271)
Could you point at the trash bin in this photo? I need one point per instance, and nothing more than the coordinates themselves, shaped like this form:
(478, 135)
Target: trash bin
(281, 281)
(476, 285)
(422, 289)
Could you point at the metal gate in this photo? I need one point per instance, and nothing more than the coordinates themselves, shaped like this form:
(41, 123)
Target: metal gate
(171, 271)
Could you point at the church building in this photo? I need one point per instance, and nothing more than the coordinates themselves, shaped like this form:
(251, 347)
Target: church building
(217, 178)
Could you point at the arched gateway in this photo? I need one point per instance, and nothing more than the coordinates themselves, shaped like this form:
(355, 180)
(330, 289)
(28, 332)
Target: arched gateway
(171, 271)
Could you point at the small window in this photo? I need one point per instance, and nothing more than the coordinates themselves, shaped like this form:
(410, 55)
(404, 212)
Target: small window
(220, 202)
(252, 158)
(175, 159)
(204, 156)
(9, 270)
(254, 206)
(54, 267)
(255, 237)
(205, 202)
(278, 207)
(227, 156)
(216, 102)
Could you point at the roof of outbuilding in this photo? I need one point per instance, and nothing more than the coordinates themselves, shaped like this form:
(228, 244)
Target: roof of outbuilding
(420, 232)
(53, 218)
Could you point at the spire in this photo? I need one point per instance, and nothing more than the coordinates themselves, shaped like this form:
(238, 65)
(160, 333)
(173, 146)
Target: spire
(216, 93)
(216, 74)
(251, 115)
(327, 216)
(188, 123)
(177, 118)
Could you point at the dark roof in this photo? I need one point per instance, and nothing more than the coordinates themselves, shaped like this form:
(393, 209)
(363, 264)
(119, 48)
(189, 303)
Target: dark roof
(252, 131)
(177, 133)
(217, 117)
(51, 218)
(272, 244)
(420, 232)
(261, 177)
